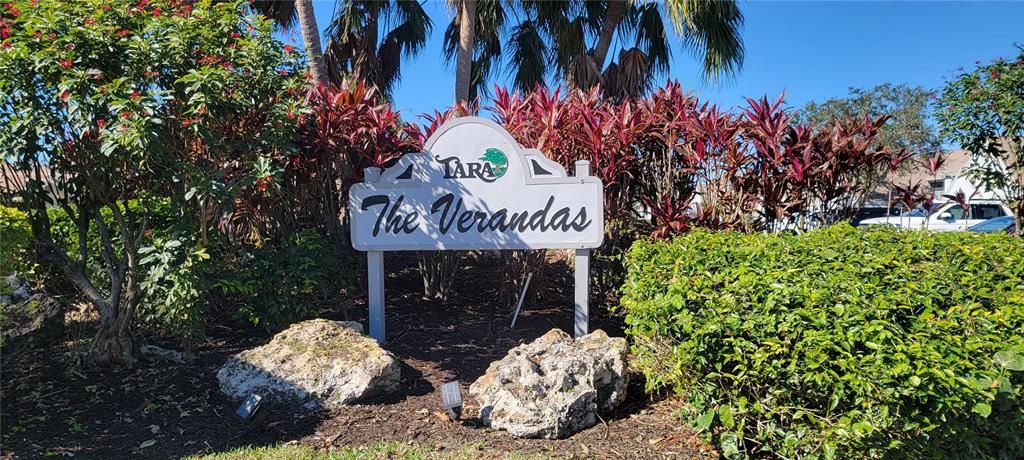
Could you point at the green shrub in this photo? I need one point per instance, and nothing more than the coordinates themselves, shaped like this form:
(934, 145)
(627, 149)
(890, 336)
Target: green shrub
(282, 281)
(837, 343)
(15, 243)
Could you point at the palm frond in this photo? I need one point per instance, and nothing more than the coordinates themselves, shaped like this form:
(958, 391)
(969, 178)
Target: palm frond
(631, 77)
(651, 37)
(528, 53)
(710, 30)
(583, 72)
(280, 11)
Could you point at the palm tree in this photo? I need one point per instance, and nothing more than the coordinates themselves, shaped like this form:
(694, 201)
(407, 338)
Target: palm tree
(554, 35)
(466, 20)
(286, 13)
(356, 47)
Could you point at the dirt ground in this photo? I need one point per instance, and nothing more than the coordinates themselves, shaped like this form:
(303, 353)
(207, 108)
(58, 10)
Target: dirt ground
(51, 406)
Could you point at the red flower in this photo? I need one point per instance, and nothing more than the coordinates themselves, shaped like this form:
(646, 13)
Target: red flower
(65, 95)
(13, 10)
(69, 46)
(289, 49)
(148, 233)
(105, 8)
(89, 21)
(126, 114)
(236, 34)
(123, 33)
(136, 95)
(282, 72)
(52, 36)
(66, 64)
(995, 74)
(156, 11)
(37, 35)
(101, 123)
(150, 74)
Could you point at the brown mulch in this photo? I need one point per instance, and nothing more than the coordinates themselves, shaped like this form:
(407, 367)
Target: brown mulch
(51, 406)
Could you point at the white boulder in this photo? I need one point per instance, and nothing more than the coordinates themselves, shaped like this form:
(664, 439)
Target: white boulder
(554, 386)
(312, 365)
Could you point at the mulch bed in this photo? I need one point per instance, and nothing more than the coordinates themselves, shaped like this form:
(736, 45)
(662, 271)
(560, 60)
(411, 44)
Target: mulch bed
(52, 406)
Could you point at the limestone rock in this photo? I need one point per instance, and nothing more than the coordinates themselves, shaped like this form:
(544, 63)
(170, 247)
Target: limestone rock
(554, 386)
(26, 317)
(311, 365)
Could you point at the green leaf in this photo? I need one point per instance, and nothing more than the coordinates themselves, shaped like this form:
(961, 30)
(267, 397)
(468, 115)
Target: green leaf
(725, 414)
(982, 409)
(705, 420)
(1009, 360)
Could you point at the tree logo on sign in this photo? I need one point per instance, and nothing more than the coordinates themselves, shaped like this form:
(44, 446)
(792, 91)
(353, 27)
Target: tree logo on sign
(493, 165)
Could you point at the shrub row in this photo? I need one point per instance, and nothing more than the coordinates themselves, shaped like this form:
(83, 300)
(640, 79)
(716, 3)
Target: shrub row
(269, 286)
(837, 343)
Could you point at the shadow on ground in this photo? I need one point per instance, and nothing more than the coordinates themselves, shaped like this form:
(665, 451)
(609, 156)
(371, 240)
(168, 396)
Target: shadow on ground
(51, 406)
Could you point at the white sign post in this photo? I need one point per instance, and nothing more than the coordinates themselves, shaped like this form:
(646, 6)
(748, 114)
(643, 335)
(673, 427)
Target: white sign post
(474, 187)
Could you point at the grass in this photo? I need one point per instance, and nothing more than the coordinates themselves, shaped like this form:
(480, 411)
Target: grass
(383, 450)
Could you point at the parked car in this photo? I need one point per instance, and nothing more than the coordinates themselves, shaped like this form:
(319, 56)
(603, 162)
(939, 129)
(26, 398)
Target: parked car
(994, 225)
(944, 217)
(870, 212)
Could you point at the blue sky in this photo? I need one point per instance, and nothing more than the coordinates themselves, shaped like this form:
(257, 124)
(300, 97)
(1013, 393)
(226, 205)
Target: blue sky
(812, 50)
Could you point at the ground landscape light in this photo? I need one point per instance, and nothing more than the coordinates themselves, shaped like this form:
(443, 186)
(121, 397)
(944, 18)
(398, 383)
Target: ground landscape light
(249, 407)
(451, 398)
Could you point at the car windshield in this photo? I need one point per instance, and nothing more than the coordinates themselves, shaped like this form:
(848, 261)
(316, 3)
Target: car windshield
(938, 207)
(993, 225)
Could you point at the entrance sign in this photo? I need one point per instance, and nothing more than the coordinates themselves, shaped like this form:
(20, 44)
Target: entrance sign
(475, 187)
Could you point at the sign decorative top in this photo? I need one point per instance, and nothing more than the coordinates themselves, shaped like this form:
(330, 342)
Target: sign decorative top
(475, 187)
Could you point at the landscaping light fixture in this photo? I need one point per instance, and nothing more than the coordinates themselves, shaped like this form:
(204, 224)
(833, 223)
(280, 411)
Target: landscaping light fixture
(249, 407)
(451, 399)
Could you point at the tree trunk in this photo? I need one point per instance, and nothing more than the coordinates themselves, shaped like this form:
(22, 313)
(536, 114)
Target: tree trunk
(311, 38)
(464, 60)
(612, 17)
(113, 344)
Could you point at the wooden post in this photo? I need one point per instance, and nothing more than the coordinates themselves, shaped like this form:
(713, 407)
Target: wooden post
(581, 313)
(375, 277)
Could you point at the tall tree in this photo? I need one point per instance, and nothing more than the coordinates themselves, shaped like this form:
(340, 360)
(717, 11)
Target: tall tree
(983, 111)
(466, 19)
(286, 13)
(575, 37)
(367, 39)
(906, 106)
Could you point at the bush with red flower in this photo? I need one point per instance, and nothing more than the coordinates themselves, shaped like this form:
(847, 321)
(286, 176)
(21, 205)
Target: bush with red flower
(212, 139)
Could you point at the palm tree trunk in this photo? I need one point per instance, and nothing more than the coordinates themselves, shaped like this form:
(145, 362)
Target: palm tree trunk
(311, 38)
(612, 17)
(464, 61)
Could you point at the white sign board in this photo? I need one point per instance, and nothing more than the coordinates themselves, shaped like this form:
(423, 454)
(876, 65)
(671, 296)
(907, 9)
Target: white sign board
(474, 187)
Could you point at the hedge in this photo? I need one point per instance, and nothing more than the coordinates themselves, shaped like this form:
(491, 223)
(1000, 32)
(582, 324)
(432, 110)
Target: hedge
(15, 242)
(839, 342)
